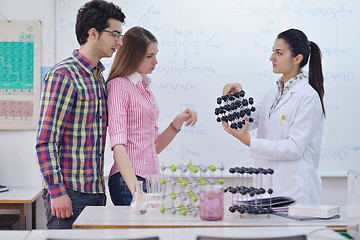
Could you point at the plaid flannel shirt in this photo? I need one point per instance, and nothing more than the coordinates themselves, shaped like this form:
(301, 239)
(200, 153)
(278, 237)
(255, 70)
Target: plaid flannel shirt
(72, 127)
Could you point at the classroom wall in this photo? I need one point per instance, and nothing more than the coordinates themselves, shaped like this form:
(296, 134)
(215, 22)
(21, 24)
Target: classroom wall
(17, 153)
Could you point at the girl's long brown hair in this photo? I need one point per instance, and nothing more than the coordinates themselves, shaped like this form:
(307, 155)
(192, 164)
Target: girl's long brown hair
(131, 53)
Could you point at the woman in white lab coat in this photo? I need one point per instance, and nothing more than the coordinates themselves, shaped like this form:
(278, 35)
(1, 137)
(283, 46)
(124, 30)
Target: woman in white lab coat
(289, 120)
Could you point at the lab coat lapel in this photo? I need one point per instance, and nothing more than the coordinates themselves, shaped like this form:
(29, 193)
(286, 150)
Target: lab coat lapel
(292, 90)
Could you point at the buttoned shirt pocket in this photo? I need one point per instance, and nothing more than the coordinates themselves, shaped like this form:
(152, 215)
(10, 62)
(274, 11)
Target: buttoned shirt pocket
(85, 107)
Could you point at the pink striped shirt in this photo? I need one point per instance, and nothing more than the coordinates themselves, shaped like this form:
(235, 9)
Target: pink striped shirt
(133, 112)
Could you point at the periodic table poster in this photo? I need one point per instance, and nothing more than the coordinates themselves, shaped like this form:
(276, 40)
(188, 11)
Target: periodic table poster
(20, 69)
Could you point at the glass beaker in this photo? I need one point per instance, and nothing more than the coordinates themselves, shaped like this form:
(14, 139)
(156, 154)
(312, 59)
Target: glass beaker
(138, 202)
(153, 191)
(211, 202)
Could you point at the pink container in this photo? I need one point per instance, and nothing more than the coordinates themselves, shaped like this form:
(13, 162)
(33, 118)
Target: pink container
(211, 203)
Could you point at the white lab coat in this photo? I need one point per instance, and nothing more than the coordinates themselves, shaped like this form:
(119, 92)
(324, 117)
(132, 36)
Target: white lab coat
(289, 141)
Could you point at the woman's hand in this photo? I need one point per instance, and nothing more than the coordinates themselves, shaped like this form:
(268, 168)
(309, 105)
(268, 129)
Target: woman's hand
(232, 87)
(243, 134)
(188, 116)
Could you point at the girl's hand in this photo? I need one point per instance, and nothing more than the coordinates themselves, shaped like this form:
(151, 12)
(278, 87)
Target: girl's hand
(188, 116)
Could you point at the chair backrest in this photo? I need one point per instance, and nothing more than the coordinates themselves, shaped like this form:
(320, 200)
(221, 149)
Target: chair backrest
(297, 237)
(145, 238)
(148, 238)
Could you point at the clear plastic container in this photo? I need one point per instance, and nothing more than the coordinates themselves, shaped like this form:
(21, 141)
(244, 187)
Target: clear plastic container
(211, 202)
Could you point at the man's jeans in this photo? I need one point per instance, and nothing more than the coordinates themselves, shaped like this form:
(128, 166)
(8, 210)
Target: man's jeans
(79, 202)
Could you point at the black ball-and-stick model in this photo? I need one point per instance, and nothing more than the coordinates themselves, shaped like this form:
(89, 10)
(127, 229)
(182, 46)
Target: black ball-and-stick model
(249, 199)
(234, 109)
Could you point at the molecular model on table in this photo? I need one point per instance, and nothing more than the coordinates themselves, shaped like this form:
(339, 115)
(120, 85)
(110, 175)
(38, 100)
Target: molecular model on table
(181, 190)
(234, 108)
(247, 199)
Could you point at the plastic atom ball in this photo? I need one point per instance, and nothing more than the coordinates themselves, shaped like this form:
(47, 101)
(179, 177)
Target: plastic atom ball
(163, 181)
(221, 181)
(232, 209)
(173, 168)
(162, 209)
(212, 168)
(163, 167)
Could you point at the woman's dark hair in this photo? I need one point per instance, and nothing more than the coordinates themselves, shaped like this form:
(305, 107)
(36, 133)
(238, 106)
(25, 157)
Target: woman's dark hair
(95, 14)
(130, 55)
(299, 44)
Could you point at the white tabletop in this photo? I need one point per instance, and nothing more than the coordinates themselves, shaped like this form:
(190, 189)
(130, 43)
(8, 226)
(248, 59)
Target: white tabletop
(119, 217)
(13, 234)
(313, 233)
(20, 195)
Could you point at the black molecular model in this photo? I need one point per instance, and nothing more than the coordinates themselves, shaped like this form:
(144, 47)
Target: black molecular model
(247, 199)
(234, 109)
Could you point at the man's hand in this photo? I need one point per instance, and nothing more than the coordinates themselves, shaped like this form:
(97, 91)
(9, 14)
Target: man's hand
(61, 207)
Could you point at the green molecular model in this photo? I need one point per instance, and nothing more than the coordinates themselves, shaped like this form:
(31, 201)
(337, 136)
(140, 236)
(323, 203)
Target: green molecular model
(180, 191)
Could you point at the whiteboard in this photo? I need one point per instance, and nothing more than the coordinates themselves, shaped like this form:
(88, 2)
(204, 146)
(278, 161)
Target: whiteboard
(204, 44)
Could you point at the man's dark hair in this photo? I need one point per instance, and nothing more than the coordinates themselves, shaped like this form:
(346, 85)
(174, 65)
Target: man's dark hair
(95, 14)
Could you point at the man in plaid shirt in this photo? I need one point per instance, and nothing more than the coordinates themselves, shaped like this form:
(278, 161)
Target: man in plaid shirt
(73, 117)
